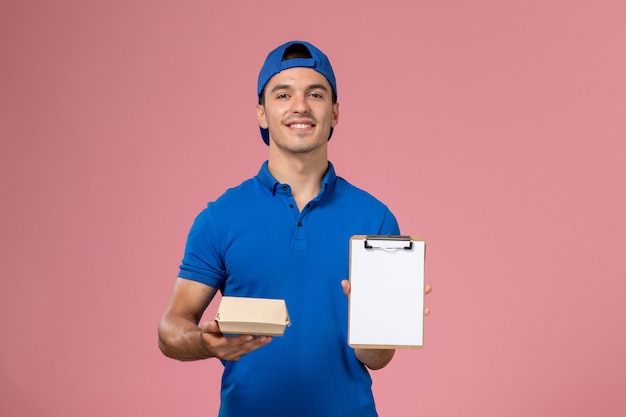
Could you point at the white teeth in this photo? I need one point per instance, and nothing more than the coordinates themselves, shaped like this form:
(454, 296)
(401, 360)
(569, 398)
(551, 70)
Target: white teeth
(300, 125)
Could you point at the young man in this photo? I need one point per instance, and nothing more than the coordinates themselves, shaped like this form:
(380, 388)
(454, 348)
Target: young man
(283, 234)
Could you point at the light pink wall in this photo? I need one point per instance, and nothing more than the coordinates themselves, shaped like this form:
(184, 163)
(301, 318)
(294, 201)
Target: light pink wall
(494, 129)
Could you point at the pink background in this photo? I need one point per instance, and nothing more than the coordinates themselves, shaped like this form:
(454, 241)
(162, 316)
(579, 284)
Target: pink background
(494, 129)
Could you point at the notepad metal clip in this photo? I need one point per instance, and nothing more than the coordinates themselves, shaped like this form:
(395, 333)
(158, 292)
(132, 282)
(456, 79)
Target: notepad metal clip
(388, 242)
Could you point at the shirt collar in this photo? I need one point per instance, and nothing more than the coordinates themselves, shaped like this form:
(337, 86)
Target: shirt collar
(270, 183)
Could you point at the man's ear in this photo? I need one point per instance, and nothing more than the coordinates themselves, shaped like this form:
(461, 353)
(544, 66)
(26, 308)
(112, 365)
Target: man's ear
(260, 115)
(335, 115)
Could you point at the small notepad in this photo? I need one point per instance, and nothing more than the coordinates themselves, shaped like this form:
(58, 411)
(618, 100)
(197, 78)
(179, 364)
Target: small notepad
(386, 304)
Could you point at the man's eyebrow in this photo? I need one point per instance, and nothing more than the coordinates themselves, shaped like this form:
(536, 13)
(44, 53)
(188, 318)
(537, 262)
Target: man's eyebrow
(318, 87)
(279, 87)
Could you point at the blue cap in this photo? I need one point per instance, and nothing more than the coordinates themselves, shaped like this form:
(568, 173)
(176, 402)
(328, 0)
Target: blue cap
(274, 64)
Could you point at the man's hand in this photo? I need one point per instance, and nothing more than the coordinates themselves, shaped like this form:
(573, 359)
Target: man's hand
(181, 338)
(230, 348)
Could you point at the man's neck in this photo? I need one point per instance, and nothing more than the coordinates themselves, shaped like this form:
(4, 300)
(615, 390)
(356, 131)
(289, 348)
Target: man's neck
(303, 173)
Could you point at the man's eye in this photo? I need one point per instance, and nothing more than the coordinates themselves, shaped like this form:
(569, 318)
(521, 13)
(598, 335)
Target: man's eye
(282, 96)
(316, 95)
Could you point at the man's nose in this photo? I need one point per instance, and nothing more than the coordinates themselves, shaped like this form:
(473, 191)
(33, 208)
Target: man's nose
(300, 104)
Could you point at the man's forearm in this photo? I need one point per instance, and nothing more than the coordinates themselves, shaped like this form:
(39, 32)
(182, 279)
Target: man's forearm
(182, 341)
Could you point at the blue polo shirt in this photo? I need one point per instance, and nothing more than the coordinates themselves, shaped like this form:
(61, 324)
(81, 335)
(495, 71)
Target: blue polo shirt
(254, 242)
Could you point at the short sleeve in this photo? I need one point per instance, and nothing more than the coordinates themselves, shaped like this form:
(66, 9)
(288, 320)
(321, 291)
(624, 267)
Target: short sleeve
(203, 260)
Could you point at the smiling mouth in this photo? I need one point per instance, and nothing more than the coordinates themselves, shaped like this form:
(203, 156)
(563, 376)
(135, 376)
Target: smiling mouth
(300, 125)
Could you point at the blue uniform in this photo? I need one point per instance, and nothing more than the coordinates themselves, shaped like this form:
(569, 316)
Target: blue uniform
(254, 242)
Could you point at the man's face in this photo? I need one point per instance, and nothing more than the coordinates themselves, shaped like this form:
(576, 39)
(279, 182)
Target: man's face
(298, 110)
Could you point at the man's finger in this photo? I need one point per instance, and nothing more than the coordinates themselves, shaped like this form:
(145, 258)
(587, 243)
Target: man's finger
(345, 284)
(210, 327)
